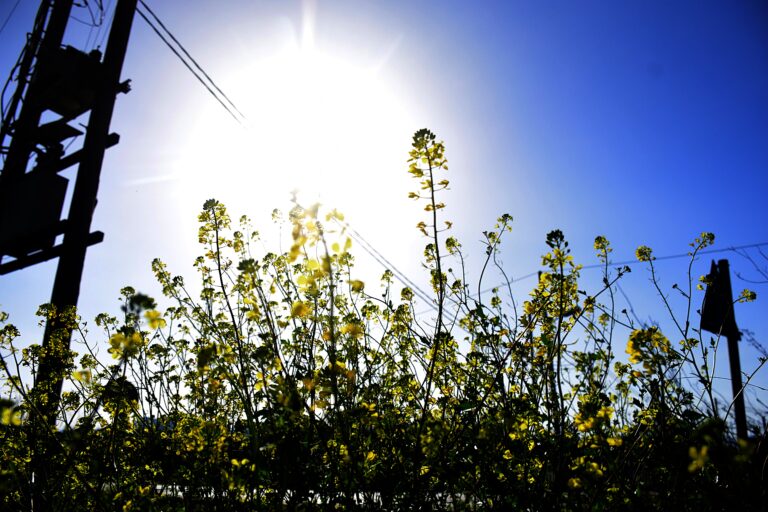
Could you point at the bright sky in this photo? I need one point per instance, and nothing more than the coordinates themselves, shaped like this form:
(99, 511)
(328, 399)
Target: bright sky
(644, 122)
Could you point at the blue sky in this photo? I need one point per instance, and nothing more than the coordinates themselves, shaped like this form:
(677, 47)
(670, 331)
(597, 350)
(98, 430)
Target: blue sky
(644, 122)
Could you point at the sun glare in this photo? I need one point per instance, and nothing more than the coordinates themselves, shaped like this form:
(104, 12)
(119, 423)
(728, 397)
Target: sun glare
(327, 129)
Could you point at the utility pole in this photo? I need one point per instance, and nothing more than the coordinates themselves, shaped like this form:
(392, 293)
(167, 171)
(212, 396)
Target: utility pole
(31, 50)
(77, 237)
(718, 317)
(31, 202)
(43, 45)
(67, 82)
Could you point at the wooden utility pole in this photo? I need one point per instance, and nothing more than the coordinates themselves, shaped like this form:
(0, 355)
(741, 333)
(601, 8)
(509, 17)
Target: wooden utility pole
(24, 127)
(67, 82)
(66, 286)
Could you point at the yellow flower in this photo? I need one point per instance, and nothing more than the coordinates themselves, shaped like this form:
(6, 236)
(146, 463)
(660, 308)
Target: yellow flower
(334, 214)
(529, 307)
(614, 441)
(357, 285)
(643, 342)
(354, 330)
(10, 417)
(298, 244)
(658, 340)
(605, 412)
(122, 346)
(644, 253)
(574, 483)
(133, 344)
(83, 376)
(699, 458)
(595, 469)
(116, 345)
(309, 383)
(154, 319)
(747, 296)
(299, 309)
(601, 243)
(583, 424)
(634, 353)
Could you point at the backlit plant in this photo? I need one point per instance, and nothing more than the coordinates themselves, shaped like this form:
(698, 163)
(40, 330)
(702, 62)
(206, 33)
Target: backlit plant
(286, 382)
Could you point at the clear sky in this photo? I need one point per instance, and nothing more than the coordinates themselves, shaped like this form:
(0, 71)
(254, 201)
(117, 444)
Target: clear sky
(644, 122)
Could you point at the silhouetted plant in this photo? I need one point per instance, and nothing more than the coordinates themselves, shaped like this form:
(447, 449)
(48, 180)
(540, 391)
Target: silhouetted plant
(290, 384)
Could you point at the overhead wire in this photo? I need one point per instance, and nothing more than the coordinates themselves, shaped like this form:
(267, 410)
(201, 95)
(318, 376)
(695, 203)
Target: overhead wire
(103, 27)
(94, 16)
(9, 111)
(10, 14)
(82, 22)
(190, 68)
(8, 81)
(96, 26)
(636, 262)
(197, 70)
(86, 5)
(626, 263)
(383, 261)
(684, 255)
(232, 109)
(194, 62)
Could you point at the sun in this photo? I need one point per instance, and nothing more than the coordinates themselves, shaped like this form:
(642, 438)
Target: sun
(321, 126)
(327, 129)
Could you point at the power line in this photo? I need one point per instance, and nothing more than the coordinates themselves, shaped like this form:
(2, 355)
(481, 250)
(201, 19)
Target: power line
(626, 263)
(96, 26)
(184, 50)
(23, 69)
(635, 262)
(232, 109)
(383, 261)
(8, 81)
(99, 29)
(208, 88)
(8, 18)
(681, 255)
(367, 246)
(211, 84)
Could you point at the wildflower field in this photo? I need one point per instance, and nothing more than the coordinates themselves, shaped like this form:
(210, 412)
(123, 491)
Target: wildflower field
(289, 384)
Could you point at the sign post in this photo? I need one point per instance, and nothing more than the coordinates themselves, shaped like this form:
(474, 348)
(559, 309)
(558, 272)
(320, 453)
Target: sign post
(718, 317)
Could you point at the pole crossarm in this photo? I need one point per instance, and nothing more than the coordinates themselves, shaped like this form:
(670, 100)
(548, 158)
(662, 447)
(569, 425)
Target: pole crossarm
(54, 252)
